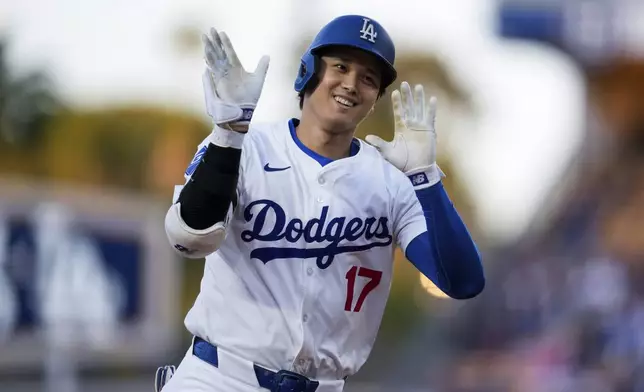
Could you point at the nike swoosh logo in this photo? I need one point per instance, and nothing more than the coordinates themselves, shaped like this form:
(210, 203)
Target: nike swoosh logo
(275, 169)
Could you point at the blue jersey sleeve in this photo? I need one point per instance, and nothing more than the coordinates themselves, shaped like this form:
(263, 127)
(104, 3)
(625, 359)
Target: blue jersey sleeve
(446, 253)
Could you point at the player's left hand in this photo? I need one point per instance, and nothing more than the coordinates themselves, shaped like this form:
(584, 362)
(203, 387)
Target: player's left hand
(231, 92)
(413, 148)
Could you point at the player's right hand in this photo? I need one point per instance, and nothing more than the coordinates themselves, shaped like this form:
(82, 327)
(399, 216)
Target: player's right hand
(231, 93)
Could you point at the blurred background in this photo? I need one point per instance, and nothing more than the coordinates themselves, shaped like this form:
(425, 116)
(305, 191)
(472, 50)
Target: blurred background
(541, 134)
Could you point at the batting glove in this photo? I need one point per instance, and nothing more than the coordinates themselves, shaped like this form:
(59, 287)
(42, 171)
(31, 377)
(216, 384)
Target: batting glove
(413, 148)
(231, 93)
(163, 375)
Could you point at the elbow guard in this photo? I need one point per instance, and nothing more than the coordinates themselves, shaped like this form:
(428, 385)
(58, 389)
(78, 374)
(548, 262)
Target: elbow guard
(192, 243)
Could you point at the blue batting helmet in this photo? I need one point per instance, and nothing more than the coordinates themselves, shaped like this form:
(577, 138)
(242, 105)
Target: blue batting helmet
(354, 31)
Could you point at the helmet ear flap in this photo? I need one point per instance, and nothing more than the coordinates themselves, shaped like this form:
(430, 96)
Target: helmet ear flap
(302, 72)
(306, 73)
(314, 79)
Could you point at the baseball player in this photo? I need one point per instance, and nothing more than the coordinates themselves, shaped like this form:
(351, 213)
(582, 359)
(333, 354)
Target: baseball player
(298, 219)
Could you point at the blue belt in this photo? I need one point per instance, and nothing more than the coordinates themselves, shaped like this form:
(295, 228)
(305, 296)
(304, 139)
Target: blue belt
(282, 381)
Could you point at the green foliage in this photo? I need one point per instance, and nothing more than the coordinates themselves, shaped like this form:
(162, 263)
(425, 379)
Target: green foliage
(138, 149)
(27, 103)
(401, 311)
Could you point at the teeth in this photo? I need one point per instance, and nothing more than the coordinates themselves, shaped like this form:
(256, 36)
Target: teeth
(344, 102)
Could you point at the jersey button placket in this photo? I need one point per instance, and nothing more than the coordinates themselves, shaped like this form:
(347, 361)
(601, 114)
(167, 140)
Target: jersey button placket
(302, 360)
(322, 183)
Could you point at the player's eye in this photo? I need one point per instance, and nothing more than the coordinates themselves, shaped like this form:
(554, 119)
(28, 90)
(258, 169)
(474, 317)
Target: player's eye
(341, 67)
(370, 80)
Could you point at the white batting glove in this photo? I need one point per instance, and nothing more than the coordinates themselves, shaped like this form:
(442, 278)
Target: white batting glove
(413, 149)
(231, 93)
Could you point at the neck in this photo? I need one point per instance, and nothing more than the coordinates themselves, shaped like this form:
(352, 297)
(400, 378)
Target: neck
(329, 144)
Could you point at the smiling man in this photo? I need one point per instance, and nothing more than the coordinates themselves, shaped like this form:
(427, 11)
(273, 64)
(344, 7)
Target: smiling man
(298, 220)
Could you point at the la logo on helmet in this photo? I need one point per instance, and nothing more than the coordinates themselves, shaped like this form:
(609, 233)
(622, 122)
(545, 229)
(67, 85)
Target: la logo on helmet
(368, 32)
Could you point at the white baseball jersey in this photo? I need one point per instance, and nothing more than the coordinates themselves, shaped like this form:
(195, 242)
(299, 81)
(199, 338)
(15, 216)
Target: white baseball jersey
(301, 281)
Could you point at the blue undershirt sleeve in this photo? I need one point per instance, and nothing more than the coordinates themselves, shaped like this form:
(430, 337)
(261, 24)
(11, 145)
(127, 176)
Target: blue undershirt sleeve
(446, 253)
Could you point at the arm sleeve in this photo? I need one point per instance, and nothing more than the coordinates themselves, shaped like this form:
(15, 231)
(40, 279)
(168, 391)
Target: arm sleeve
(213, 180)
(443, 249)
(197, 219)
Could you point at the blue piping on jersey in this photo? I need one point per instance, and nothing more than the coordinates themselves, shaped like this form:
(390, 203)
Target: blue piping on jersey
(322, 160)
(446, 253)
